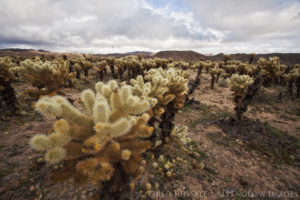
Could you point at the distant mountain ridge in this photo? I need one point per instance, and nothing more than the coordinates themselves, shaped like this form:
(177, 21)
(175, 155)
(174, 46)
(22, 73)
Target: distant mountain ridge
(188, 56)
(285, 58)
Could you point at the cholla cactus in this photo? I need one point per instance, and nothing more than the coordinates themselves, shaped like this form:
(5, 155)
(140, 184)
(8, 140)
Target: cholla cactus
(184, 65)
(215, 73)
(293, 78)
(179, 136)
(162, 62)
(169, 88)
(8, 100)
(101, 69)
(246, 99)
(193, 85)
(86, 66)
(104, 143)
(270, 69)
(251, 70)
(231, 69)
(148, 64)
(48, 75)
(239, 85)
(121, 65)
(296, 77)
(226, 58)
(252, 56)
(81, 64)
(111, 63)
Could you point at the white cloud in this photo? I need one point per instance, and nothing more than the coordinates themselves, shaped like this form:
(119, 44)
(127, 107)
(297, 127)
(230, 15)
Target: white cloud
(206, 26)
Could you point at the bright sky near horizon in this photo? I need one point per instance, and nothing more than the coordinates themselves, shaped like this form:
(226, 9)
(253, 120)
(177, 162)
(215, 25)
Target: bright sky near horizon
(111, 26)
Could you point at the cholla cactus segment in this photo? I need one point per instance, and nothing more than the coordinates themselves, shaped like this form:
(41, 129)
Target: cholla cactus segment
(239, 85)
(180, 135)
(110, 130)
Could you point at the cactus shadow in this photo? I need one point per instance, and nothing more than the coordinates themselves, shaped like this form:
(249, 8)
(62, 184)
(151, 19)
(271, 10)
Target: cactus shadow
(275, 145)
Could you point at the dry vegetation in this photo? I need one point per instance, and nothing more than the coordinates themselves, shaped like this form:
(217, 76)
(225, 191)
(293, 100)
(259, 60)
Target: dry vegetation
(136, 128)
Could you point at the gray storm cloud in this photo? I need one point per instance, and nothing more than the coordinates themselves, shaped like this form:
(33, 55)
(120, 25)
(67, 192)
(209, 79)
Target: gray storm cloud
(207, 26)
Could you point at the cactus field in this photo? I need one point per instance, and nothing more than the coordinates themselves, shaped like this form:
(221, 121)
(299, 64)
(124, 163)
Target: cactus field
(136, 127)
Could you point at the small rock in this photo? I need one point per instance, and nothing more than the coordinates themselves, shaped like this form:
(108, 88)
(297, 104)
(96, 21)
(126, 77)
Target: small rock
(24, 179)
(211, 170)
(239, 142)
(214, 183)
(39, 192)
(16, 183)
(201, 177)
(6, 133)
(31, 189)
(37, 186)
(84, 192)
(231, 190)
(2, 190)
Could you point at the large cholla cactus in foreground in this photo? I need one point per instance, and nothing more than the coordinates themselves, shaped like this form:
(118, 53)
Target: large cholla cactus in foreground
(47, 76)
(239, 85)
(8, 100)
(103, 143)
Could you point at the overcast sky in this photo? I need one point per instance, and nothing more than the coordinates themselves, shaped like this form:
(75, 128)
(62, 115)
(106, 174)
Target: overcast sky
(107, 26)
